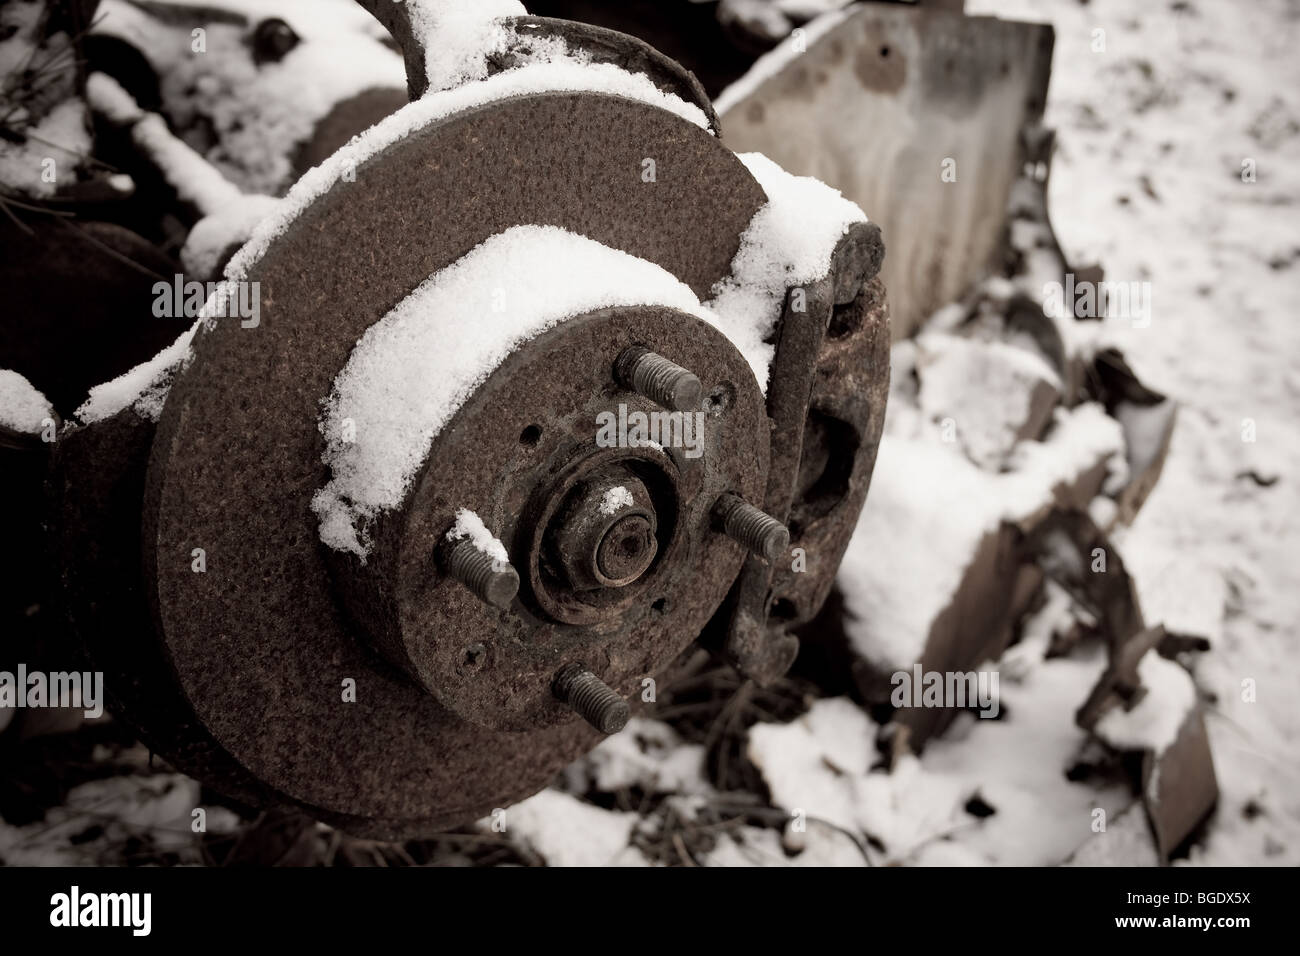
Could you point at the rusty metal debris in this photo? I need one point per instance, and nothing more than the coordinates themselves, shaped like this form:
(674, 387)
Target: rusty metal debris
(876, 106)
(1177, 782)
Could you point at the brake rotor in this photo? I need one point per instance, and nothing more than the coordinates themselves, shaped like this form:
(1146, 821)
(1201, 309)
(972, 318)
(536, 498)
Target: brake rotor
(453, 712)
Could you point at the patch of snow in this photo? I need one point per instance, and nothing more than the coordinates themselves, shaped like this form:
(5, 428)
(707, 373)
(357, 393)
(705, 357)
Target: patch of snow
(61, 136)
(459, 37)
(1126, 841)
(143, 388)
(215, 233)
(788, 243)
(1154, 723)
(195, 180)
(249, 118)
(110, 99)
(1103, 511)
(822, 764)
(806, 761)
(469, 525)
(122, 808)
(820, 845)
(647, 754)
(402, 384)
(985, 388)
(1079, 438)
(564, 831)
(1187, 594)
(615, 500)
(928, 511)
(22, 407)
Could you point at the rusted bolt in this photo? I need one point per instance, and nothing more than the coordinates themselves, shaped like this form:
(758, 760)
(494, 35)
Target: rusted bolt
(490, 579)
(663, 382)
(759, 532)
(591, 698)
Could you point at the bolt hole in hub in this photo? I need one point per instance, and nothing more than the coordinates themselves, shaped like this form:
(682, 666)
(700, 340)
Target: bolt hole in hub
(720, 399)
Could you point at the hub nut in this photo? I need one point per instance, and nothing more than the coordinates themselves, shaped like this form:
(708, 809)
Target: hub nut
(606, 537)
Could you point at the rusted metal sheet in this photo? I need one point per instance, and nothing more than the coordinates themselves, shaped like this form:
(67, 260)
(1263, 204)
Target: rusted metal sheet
(1178, 784)
(1179, 787)
(878, 107)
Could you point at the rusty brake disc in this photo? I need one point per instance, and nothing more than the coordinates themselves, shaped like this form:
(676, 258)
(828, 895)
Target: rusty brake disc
(453, 713)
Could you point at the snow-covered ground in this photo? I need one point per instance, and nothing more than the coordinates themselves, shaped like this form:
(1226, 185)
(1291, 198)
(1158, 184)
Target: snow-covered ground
(1153, 135)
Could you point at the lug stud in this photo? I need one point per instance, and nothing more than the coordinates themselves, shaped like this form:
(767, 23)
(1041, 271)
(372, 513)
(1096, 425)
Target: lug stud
(756, 530)
(663, 382)
(491, 580)
(591, 699)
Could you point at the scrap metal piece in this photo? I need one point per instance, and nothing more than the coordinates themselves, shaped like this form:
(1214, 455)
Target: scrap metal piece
(1178, 784)
(1148, 420)
(1179, 787)
(1067, 543)
(916, 115)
